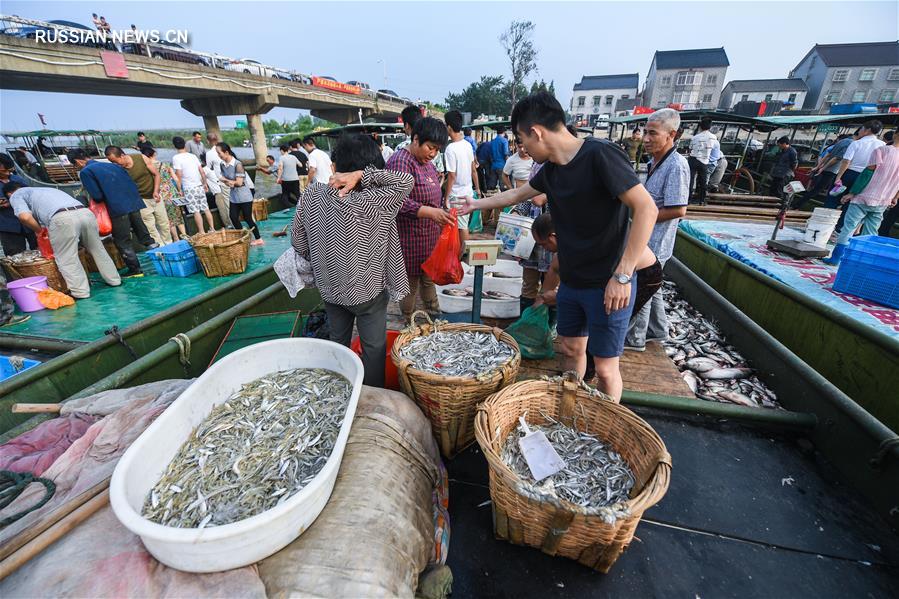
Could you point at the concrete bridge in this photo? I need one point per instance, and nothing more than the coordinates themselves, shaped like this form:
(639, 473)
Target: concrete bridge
(204, 91)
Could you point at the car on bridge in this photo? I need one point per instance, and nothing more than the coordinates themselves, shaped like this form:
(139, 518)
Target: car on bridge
(167, 51)
(388, 94)
(366, 88)
(30, 31)
(254, 67)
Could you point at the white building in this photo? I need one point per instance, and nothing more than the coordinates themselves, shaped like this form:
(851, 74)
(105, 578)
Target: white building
(595, 97)
(788, 91)
(689, 79)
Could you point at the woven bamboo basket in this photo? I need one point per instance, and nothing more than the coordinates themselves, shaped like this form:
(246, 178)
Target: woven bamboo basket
(450, 402)
(38, 268)
(260, 210)
(87, 260)
(556, 526)
(223, 252)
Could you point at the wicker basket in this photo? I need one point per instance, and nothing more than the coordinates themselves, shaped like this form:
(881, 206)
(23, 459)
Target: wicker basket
(260, 210)
(223, 252)
(37, 268)
(556, 526)
(87, 261)
(450, 402)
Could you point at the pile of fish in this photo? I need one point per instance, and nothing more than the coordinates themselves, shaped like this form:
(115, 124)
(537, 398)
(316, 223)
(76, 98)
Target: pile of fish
(469, 292)
(713, 370)
(594, 476)
(500, 275)
(457, 353)
(253, 452)
(26, 257)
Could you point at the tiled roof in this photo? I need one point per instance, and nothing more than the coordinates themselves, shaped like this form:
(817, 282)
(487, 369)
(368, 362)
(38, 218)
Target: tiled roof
(691, 59)
(625, 81)
(766, 85)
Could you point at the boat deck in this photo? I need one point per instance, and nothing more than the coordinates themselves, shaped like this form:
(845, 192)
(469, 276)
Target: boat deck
(137, 299)
(745, 241)
(748, 514)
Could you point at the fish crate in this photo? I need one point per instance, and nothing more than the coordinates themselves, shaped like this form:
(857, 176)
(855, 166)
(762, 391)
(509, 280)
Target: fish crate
(450, 402)
(870, 270)
(523, 516)
(176, 259)
(13, 365)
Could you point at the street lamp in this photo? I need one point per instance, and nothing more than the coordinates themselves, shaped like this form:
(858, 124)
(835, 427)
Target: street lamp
(383, 63)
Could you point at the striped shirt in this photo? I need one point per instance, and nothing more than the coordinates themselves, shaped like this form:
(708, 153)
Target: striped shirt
(418, 236)
(352, 241)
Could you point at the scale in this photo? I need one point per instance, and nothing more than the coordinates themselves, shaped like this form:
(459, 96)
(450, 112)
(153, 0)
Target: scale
(793, 247)
(481, 253)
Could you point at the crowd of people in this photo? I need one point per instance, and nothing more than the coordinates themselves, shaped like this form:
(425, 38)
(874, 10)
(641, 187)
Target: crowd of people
(369, 216)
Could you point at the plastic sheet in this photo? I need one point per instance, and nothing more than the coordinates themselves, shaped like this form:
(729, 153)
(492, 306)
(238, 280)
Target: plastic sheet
(35, 450)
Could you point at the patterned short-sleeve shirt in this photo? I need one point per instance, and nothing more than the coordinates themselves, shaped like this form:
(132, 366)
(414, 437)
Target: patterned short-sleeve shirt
(669, 186)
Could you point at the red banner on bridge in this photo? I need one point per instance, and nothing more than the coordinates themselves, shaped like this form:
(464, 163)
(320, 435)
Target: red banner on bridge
(336, 86)
(114, 63)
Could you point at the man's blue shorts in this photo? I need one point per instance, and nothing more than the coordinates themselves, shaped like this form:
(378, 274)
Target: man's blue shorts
(582, 313)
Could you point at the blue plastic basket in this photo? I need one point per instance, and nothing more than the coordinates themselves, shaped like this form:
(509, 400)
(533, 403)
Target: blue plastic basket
(176, 259)
(870, 270)
(7, 370)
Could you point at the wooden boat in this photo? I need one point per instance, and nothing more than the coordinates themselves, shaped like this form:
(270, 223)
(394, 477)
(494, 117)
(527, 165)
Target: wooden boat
(859, 360)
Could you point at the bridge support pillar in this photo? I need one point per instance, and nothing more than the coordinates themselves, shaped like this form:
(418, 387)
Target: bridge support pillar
(257, 138)
(211, 124)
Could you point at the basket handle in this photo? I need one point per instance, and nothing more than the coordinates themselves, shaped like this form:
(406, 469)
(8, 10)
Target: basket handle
(569, 397)
(422, 328)
(663, 458)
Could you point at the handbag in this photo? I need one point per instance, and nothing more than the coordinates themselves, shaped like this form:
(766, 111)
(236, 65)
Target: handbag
(104, 222)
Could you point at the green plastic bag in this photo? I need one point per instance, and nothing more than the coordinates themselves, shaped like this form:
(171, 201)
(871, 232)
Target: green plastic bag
(533, 333)
(475, 223)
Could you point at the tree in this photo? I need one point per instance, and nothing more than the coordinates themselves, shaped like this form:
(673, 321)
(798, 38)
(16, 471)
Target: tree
(272, 126)
(522, 54)
(543, 87)
(487, 96)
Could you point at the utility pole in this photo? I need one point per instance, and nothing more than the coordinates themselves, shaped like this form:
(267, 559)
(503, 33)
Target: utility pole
(384, 64)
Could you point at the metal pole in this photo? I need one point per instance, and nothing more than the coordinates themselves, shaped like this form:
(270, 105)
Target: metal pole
(476, 300)
(786, 418)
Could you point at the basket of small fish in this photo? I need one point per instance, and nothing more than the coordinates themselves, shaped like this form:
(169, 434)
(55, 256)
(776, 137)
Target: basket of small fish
(245, 459)
(31, 263)
(448, 369)
(571, 472)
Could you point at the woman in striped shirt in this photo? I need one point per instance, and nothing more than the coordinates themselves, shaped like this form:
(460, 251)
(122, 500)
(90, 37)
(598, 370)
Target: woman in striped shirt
(347, 230)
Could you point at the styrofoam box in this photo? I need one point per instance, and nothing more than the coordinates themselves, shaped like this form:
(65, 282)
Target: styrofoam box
(491, 308)
(511, 268)
(247, 541)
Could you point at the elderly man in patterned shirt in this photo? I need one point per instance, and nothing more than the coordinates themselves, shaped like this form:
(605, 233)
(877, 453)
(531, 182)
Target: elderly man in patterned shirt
(422, 215)
(668, 182)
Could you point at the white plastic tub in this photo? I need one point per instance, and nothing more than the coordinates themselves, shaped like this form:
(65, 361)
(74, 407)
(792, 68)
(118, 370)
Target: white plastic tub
(510, 308)
(511, 268)
(245, 542)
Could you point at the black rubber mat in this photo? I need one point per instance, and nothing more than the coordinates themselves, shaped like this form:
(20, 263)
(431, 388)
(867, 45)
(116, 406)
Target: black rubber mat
(747, 515)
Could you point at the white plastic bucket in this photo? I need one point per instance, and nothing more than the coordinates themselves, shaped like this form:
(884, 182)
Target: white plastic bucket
(818, 233)
(825, 215)
(515, 233)
(511, 268)
(247, 541)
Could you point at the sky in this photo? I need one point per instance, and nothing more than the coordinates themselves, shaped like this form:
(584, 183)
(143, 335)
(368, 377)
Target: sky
(433, 48)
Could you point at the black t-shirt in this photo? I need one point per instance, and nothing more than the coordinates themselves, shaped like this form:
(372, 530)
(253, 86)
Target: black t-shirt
(591, 222)
(144, 145)
(303, 168)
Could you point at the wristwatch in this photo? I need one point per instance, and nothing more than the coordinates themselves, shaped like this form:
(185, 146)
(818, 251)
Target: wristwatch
(622, 278)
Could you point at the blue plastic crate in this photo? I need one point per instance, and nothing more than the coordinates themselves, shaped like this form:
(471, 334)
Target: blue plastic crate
(7, 370)
(870, 270)
(176, 259)
(880, 252)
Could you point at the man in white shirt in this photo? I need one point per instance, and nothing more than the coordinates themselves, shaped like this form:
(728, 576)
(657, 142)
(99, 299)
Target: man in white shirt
(517, 170)
(856, 158)
(192, 183)
(700, 150)
(319, 163)
(461, 176)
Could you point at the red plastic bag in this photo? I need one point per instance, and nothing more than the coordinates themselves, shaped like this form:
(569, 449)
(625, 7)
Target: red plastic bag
(443, 265)
(43, 244)
(104, 223)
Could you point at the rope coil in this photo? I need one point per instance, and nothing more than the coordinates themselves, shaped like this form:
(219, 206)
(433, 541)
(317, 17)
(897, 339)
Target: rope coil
(183, 343)
(12, 484)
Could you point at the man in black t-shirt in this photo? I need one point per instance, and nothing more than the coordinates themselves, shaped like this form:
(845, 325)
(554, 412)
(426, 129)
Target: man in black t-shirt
(591, 186)
(302, 170)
